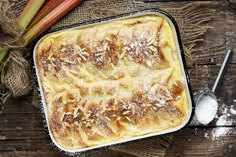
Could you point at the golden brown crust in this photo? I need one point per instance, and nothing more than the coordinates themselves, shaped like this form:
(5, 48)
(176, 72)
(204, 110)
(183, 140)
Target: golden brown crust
(112, 81)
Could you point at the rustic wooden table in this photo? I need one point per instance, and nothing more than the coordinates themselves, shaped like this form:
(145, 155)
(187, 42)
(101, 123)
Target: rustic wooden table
(21, 125)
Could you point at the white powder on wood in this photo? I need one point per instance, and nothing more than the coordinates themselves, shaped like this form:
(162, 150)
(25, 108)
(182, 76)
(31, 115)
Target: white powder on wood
(233, 111)
(219, 132)
(206, 109)
(223, 120)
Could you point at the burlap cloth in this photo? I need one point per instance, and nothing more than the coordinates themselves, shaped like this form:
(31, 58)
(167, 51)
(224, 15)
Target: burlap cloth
(192, 20)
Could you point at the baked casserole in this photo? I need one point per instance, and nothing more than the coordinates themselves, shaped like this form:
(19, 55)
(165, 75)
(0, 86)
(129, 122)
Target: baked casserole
(112, 81)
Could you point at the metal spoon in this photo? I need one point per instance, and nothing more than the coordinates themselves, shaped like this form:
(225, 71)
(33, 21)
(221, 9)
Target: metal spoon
(206, 101)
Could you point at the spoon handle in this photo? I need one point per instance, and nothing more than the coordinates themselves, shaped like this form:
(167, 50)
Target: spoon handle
(224, 64)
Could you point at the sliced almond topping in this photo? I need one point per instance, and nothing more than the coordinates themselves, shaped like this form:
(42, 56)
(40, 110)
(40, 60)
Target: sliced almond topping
(49, 57)
(128, 118)
(126, 112)
(70, 62)
(178, 97)
(78, 124)
(105, 46)
(154, 108)
(118, 118)
(151, 42)
(122, 55)
(63, 115)
(106, 38)
(76, 113)
(149, 63)
(108, 118)
(82, 56)
(66, 124)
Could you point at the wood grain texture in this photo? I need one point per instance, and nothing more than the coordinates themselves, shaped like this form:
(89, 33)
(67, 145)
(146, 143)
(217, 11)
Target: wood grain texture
(22, 131)
(198, 142)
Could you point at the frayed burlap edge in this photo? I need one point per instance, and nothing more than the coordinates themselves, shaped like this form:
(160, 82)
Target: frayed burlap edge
(11, 31)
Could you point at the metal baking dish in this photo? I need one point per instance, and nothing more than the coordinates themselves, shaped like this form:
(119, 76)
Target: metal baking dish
(175, 29)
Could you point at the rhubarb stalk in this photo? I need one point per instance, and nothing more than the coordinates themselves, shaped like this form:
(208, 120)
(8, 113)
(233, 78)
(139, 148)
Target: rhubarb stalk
(52, 4)
(24, 19)
(29, 12)
(3, 53)
(50, 19)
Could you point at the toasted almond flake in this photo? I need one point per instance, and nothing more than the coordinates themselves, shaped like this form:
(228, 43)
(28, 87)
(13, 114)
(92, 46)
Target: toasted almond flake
(178, 97)
(123, 102)
(132, 45)
(99, 59)
(99, 49)
(148, 105)
(106, 38)
(108, 118)
(125, 42)
(71, 100)
(137, 51)
(126, 112)
(76, 113)
(73, 72)
(105, 46)
(78, 124)
(78, 59)
(85, 53)
(149, 63)
(162, 102)
(118, 118)
(128, 118)
(82, 56)
(83, 119)
(122, 55)
(88, 125)
(82, 50)
(112, 65)
(150, 39)
(146, 53)
(49, 67)
(152, 48)
(97, 54)
(66, 124)
(92, 121)
(52, 64)
(151, 42)
(63, 49)
(63, 115)
(154, 108)
(113, 115)
(49, 57)
(70, 62)
(52, 58)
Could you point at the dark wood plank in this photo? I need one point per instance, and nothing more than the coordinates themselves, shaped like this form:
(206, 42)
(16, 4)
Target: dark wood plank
(192, 142)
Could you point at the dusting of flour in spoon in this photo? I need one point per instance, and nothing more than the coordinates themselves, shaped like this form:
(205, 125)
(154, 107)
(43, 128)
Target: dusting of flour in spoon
(206, 109)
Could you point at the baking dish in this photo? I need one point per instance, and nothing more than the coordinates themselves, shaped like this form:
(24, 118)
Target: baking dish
(151, 12)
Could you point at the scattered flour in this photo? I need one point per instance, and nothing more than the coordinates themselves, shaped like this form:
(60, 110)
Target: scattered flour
(232, 111)
(219, 132)
(224, 120)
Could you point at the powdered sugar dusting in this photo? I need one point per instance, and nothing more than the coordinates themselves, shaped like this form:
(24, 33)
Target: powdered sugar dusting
(219, 132)
(206, 109)
(223, 120)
